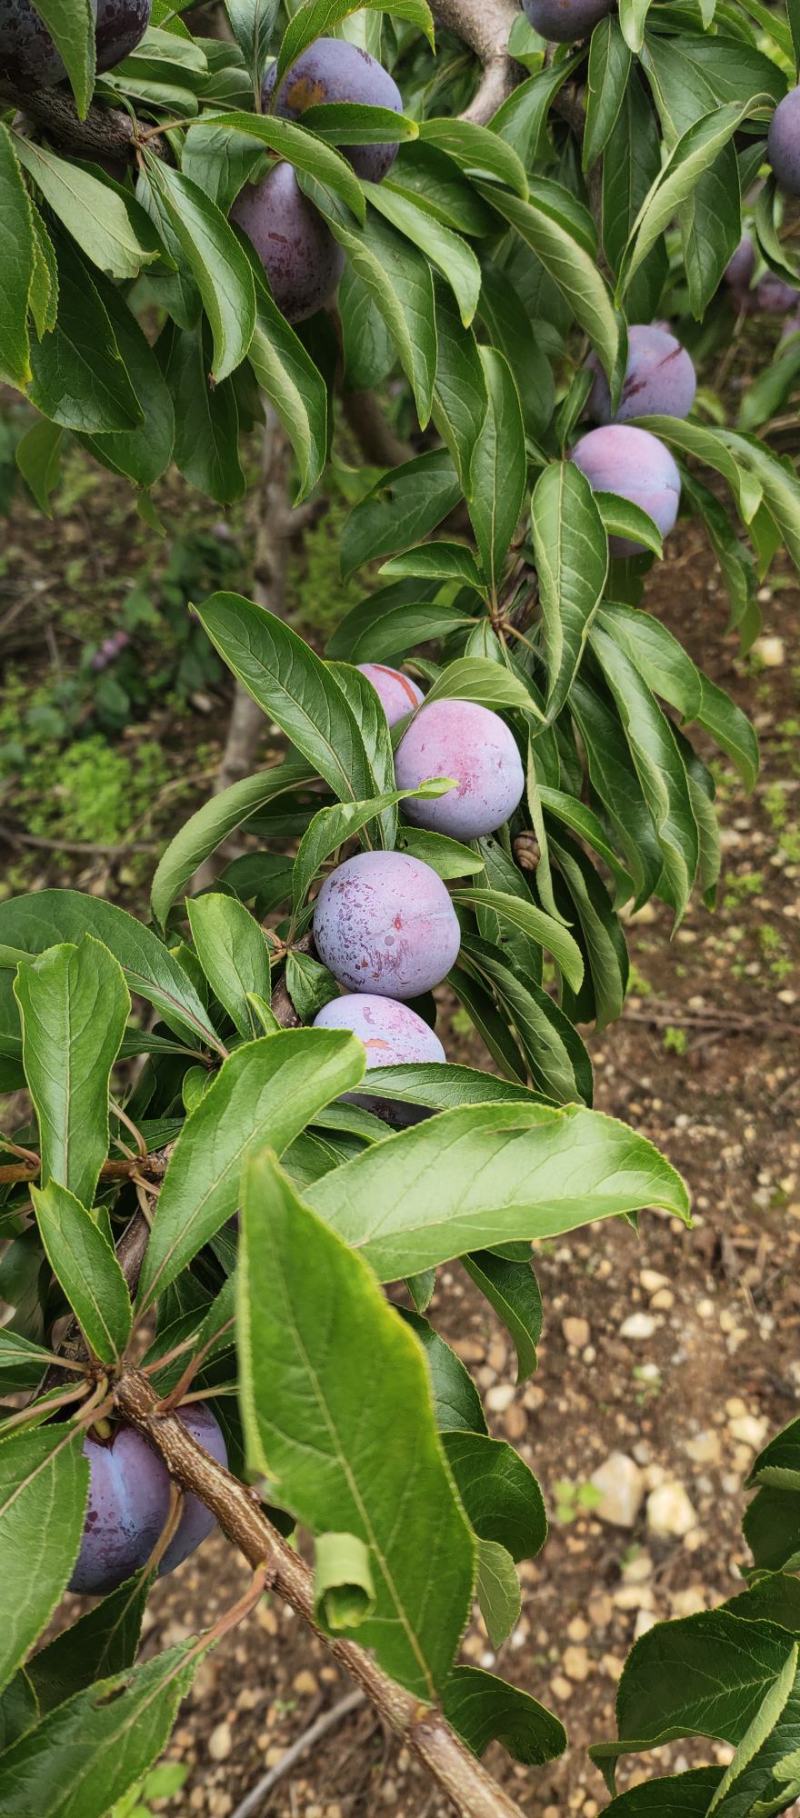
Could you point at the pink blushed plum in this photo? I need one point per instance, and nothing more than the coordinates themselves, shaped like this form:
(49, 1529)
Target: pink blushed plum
(384, 924)
(783, 143)
(634, 464)
(466, 741)
(392, 1034)
(129, 1500)
(397, 693)
(660, 379)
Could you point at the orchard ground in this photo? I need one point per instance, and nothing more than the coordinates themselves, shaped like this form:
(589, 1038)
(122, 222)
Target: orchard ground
(685, 1374)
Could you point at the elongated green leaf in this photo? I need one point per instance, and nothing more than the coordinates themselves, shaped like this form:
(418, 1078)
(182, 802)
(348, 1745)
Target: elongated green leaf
(86, 1754)
(302, 149)
(677, 1796)
(498, 469)
(332, 826)
(102, 1642)
(296, 389)
(79, 377)
(571, 267)
(659, 658)
(44, 1480)
(71, 24)
(265, 1093)
(74, 1005)
(83, 1261)
(472, 678)
(498, 1591)
(499, 1492)
(32, 923)
(443, 1088)
(314, 1330)
(213, 823)
(317, 17)
(293, 686)
(484, 1709)
(631, 164)
(489, 1175)
(586, 824)
(220, 268)
(571, 549)
(19, 1709)
(621, 518)
(17, 254)
(688, 161)
(456, 1402)
(38, 457)
(399, 280)
(403, 505)
(233, 953)
(601, 936)
(437, 561)
(658, 764)
(110, 226)
(556, 1059)
(632, 16)
(478, 151)
(609, 68)
(512, 1289)
(141, 454)
(206, 449)
(541, 928)
(451, 255)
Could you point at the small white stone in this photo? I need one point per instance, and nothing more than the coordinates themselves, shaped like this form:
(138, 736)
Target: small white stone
(576, 1331)
(770, 651)
(670, 1514)
(645, 1620)
(500, 1397)
(663, 1300)
(750, 1429)
(621, 1487)
(220, 1742)
(705, 1448)
(651, 1280)
(638, 1326)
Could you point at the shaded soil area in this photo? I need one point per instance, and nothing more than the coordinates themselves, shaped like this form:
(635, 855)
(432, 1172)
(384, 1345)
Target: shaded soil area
(706, 1062)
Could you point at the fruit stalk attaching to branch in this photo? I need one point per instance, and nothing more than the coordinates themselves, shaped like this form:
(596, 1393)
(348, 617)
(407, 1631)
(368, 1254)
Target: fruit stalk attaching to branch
(484, 25)
(422, 1728)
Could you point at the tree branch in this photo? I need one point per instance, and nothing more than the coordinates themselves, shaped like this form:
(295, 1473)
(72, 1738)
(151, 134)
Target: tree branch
(422, 1728)
(484, 26)
(106, 132)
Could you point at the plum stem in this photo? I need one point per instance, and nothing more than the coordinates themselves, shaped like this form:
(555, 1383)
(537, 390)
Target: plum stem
(237, 1509)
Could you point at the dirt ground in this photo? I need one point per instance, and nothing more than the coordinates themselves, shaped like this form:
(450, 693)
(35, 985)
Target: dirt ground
(706, 1062)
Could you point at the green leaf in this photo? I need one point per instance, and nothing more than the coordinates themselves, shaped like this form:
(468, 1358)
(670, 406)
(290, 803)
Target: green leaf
(483, 1709)
(472, 678)
(403, 505)
(394, 619)
(266, 1092)
(253, 23)
(460, 399)
(314, 1328)
(605, 984)
(510, 328)
(521, 119)
(43, 298)
(84, 1263)
(632, 16)
(488, 1175)
(772, 1529)
(586, 824)
(367, 347)
(213, 823)
(108, 224)
(141, 454)
(436, 561)
(456, 1402)
(293, 686)
(17, 254)
(303, 150)
(498, 1591)
(498, 470)
(631, 164)
(79, 376)
(540, 927)
(571, 550)
(478, 151)
(691, 73)
(20, 1353)
(358, 123)
(445, 856)
(659, 767)
(344, 1592)
(295, 388)
(219, 266)
(206, 416)
(102, 1642)
(399, 280)
(512, 1290)
(71, 24)
(555, 1056)
(233, 953)
(499, 1492)
(569, 264)
(331, 827)
(451, 255)
(678, 1796)
(74, 1005)
(621, 518)
(33, 923)
(44, 1480)
(609, 68)
(316, 18)
(690, 158)
(442, 1088)
(38, 457)
(86, 1754)
(19, 1710)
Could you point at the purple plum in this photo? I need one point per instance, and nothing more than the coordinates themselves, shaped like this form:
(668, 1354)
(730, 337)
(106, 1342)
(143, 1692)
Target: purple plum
(129, 1498)
(302, 260)
(384, 924)
(773, 296)
(466, 741)
(563, 21)
(739, 270)
(28, 56)
(783, 143)
(332, 69)
(121, 25)
(392, 1033)
(397, 693)
(636, 466)
(659, 379)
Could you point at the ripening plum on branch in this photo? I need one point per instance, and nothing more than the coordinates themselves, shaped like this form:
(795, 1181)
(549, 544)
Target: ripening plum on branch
(332, 69)
(660, 379)
(397, 694)
(302, 260)
(467, 741)
(634, 464)
(393, 1035)
(384, 923)
(129, 1502)
(564, 21)
(28, 56)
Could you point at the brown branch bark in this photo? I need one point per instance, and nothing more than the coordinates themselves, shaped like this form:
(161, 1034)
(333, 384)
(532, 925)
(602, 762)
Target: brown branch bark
(484, 26)
(106, 132)
(377, 440)
(421, 1727)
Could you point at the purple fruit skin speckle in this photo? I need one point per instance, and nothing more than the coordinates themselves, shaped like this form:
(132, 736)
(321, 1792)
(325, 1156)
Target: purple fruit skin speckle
(396, 692)
(393, 1034)
(129, 1499)
(634, 464)
(466, 741)
(660, 379)
(563, 21)
(384, 923)
(331, 69)
(783, 142)
(302, 260)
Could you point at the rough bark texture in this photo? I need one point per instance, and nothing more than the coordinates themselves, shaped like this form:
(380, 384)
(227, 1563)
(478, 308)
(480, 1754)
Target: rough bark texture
(105, 133)
(484, 26)
(237, 1509)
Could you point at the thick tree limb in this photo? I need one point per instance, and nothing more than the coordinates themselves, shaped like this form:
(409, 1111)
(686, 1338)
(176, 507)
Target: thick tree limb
(422, 1728)
(106, 132)
(484, 26)
(377, 440)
